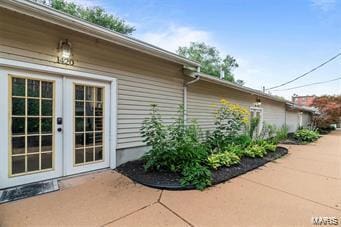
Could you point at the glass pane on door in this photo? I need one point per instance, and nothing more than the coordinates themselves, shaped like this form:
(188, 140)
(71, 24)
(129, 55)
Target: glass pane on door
(31, 120)
(88, 124)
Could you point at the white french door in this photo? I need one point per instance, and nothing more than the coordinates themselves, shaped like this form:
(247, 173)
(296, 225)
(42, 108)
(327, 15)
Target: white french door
(53, 126)
(33, 103)
(86, 126)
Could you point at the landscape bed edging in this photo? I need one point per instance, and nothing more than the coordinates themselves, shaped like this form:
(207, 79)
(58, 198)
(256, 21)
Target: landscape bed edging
(171, 181)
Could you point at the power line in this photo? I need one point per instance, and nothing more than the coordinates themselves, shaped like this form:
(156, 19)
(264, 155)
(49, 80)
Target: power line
(310, 71)
(306, 85)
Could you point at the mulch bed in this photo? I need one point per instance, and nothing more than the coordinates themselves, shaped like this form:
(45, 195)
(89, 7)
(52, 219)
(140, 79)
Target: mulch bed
(171, 181)
(292, 141)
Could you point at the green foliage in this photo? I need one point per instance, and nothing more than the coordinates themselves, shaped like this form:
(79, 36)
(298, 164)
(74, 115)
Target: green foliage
(242, 139)
(306, 135)
(96, 15)
(255, 150)
(237, 149)
(155, 134)
(268, 131)
(197, 175)
(281, 134)
(230, 119)
(253, 125)
(259, 148)
(176, 148)
(210, 60)
(268, 146)
(226, 158)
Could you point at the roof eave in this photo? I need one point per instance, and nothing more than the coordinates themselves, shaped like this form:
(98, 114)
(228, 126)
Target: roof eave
(47, 14)
(225, 83)
(293, 106)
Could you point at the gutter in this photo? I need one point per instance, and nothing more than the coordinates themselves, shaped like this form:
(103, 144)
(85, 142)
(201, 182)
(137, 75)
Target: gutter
(45, 13)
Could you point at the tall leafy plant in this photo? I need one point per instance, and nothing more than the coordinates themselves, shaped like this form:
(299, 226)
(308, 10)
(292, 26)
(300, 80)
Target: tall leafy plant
(253, 126)
(155, 134)
(230, 120)
(176, 148)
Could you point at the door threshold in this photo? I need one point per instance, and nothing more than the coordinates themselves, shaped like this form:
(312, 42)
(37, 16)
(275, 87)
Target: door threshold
(28, 190)
(83, 173)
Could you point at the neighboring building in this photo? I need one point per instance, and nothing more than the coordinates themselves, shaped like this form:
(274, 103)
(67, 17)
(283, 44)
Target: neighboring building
(306, 100)
(298, 116)
(68, 109)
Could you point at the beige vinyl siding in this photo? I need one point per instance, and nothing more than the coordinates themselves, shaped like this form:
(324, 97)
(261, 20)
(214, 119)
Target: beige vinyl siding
(202, 95)
(292, 121)
(142, 79)
(306, 119)
(273, 112)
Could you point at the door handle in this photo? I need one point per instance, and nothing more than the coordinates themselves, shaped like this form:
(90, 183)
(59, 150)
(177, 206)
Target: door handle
(59, 129)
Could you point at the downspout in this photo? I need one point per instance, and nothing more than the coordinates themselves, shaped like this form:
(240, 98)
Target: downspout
(285, 115)
(197, 78)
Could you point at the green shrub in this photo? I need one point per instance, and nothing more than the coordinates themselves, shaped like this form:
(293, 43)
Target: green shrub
(197, 175)
(243, 140)
(253, 126)
(155, 134)
(268, 131)
(268, 146)
(237, 149)
(230, 120)
(280, 134)
(222, 159)
(306, 135)
(259, 148)
(175, 147)
(255, 150)
(178, 147)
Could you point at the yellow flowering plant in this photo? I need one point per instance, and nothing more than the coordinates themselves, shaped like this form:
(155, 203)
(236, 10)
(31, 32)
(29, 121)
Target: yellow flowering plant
(230, 120)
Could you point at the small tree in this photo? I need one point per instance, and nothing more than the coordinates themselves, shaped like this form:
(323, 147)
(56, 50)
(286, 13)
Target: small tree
(330, 109)
(211, 61)
(96, 15)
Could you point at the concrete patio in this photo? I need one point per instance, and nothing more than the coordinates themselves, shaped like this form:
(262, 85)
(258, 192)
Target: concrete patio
(288, 192)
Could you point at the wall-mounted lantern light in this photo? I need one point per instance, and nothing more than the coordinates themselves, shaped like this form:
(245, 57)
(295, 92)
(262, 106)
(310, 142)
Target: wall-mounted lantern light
(65, 53)
(258, 102)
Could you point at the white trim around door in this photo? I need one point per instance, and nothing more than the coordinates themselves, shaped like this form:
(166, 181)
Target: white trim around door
(31, 145)
(62, 75)
(257, 112)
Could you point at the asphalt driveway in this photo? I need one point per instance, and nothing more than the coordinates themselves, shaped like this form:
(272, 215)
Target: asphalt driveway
(288, 192)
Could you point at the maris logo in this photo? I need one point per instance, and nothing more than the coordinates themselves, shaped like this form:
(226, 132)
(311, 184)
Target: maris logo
(325, 221)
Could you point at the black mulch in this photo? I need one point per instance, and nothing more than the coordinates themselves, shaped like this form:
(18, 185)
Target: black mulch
(293, 141)
(168, 180)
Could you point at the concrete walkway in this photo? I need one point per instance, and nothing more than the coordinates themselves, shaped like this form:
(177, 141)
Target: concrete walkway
(288, 192)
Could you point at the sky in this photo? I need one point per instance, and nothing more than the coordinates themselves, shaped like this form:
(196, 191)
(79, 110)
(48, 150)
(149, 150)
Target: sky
(273, 41)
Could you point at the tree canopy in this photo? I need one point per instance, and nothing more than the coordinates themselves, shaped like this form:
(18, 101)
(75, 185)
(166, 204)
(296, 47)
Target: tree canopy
(211, 61)
(96, 15)
(330, 108)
